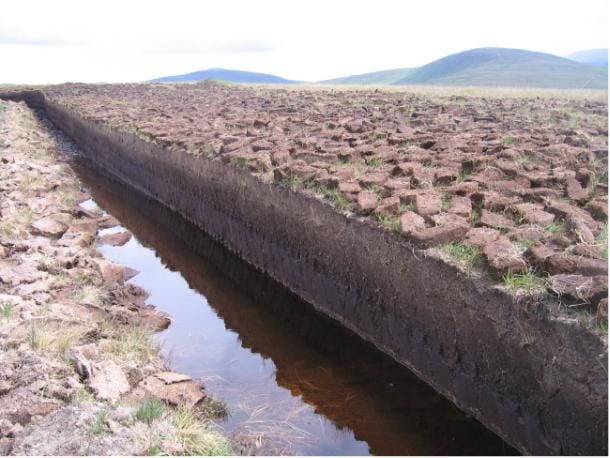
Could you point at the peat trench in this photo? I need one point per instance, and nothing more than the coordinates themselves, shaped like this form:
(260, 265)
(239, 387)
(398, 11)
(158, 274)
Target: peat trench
(292, 378)
(533, 380)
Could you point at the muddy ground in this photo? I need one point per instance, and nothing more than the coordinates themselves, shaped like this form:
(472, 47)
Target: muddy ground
(516, 187)
(79, 373)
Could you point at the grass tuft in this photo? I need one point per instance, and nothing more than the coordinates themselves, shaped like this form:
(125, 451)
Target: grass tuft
(588, 319)
(208, 150)
(6, 311)
(39, 338)
(8, 230)
(525, 244)
(151, 409)
(85, 277)
(463, 176)
(99, 426)
(358, 166)
(133, 344)
(154, 450)
(390, 222)
(599, 178)
(82, 395)
(410, 207)
(378, 190)
(376, 163)
(528, 282)
(197, 437)
(54, 336)
(526, 159)
(468, 256)
(87, 294)
(295, 183)
(141, 135)
(335, 197)
(240, 162)
(64, 342)
(556, 228)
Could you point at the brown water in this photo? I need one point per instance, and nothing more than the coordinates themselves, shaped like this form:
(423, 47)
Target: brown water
(294, 381)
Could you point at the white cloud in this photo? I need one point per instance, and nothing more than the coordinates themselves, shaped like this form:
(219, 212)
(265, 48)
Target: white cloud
(63, 40)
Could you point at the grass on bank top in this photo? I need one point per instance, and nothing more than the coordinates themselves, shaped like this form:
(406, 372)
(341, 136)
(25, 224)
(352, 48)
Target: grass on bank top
(528, 282)
(465, 255)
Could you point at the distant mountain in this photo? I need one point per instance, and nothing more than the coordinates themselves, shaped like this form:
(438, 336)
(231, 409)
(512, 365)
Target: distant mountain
(508, 67)
(383, 77)
(492, 67)
(221, 74)
(476, 67)
(597, 57)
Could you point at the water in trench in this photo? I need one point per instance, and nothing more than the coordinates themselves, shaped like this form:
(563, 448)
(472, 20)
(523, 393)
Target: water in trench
(294, 381)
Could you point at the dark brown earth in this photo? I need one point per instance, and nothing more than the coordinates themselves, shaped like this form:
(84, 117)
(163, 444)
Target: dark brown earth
(488, 173)
(531, 175)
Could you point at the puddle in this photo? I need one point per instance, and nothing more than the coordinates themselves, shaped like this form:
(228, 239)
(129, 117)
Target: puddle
(89, 204)
(111, 230)
(293, 379)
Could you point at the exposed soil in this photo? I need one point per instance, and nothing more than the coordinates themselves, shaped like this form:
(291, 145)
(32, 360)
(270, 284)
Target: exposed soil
(489, 205)
(521, 183)
(76, 359)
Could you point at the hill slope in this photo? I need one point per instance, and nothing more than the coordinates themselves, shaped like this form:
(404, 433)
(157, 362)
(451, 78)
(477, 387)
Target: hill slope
(382, 77)
(597, 57)
(221, 74)
(507, 67)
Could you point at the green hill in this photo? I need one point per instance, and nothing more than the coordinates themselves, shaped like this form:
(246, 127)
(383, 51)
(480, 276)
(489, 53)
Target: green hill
(382, 77)
(508, 67)
(492, 67)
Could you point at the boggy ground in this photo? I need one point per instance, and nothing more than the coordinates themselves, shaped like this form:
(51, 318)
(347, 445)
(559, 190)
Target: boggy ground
(510, 187)
(79, 373)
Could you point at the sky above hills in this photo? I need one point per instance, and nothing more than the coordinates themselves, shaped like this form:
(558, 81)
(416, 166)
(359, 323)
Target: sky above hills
(94, 41)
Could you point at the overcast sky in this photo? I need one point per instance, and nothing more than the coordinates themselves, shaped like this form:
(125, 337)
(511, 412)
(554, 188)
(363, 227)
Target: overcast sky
(93, 41)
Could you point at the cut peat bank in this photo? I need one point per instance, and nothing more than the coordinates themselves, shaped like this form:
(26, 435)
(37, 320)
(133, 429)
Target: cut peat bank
(464, 237)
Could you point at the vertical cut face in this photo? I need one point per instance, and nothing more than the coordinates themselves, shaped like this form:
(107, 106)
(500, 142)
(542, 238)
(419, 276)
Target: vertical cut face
(515, 185)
